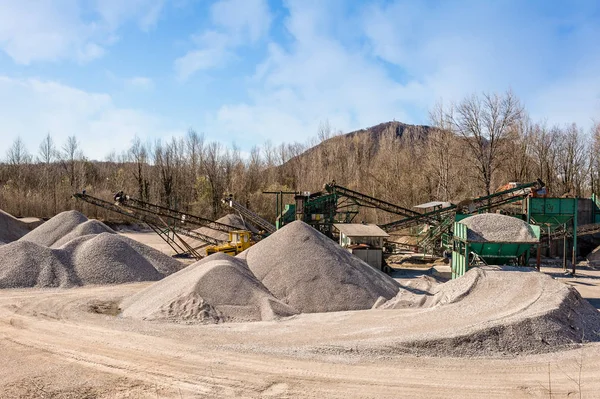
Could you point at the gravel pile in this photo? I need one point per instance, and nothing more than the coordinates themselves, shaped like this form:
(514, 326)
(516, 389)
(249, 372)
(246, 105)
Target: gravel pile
(506, 310)
(219, 288)
(230, 220)
(11, 228)
(92, 259)
(83, 229)
(26, 264)
(55, 229)
(311, 273)
(494, 227)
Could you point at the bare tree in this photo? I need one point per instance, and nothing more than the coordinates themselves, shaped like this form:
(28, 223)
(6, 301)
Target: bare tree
(484, 123)
(69, 157)
(17, 154)
(139, 156)
(440, 146)
(572, 160)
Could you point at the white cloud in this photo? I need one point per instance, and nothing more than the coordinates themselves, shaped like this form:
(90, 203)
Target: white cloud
(140, 82)
(32, 31)
(235, 23)
(31, 108)
(317, 78)
(395, 60)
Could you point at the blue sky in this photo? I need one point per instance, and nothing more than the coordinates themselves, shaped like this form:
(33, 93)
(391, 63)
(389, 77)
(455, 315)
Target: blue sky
(248, 71)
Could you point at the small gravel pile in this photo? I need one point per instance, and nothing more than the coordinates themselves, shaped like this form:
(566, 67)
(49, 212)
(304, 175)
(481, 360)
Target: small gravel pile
(26, 264)
(56, 228)
(230, 220)
(494, 227)
(311, 273)
(11, 228)
(83, 229)
(92, 259)
(219, 288)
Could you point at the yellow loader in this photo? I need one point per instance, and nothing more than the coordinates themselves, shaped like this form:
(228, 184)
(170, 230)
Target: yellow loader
(239, 240)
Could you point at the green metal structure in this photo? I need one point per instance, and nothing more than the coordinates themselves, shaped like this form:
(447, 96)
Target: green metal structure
(466, 253)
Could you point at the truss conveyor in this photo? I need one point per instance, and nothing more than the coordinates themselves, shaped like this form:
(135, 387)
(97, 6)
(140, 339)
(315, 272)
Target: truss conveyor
(250, 216)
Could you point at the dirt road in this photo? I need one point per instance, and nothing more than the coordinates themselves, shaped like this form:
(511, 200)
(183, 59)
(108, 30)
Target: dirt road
(53, 344)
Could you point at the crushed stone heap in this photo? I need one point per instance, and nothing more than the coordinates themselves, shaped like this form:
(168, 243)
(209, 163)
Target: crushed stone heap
(494, 227)
(311, 273)
(56, 228)
(216, 289)
(11, 228)
(91, 259)
(84, 229)
(494, 310)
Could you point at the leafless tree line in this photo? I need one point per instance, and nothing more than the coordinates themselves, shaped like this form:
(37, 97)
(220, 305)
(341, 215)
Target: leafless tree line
(471, 148)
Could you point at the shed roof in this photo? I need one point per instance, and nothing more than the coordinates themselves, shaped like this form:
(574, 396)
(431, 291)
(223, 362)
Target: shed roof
(360, 230)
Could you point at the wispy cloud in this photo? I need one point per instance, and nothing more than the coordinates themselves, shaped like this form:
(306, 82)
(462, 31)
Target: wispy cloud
(140, 82)
(66, 29)
(234, 23)
(30, 108)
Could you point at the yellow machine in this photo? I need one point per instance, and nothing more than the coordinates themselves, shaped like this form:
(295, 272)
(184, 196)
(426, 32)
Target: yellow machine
(239, 240)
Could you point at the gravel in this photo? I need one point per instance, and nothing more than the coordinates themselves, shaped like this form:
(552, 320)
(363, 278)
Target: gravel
(56, 228)
(83, 229)
(494, 227)
(506, 310)
(219, 288)
(104, 258)
(11, 228)
(311, 273)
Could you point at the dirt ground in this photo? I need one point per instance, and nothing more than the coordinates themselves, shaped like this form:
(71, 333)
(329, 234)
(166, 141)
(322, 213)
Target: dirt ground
(71, 344)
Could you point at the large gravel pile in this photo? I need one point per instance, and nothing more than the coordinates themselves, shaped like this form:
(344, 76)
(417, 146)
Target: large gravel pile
(311, 273)
(230, 220)
(56, 228)
(83, 229)
(11, 228)
(502, 310)
(93, 259)
(494, 227)
(216, 289)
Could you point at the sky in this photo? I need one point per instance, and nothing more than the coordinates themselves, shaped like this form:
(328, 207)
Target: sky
(245, 72)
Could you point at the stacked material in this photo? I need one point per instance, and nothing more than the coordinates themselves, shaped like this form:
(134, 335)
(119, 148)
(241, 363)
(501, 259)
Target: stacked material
(55, 229)
(11, 228)
(215, 289)
(494, 227)
(104, 258)
(311, 273)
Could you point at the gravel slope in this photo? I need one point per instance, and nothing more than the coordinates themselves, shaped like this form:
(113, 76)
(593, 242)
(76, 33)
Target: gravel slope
(11, 228)
(104, 258)
(56, 228)
(312, 273)
(217, 288)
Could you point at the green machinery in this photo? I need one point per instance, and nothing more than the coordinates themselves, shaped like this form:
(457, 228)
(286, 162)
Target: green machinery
(466, 253)
(336, 204)
(441, 221)
(339, 204)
